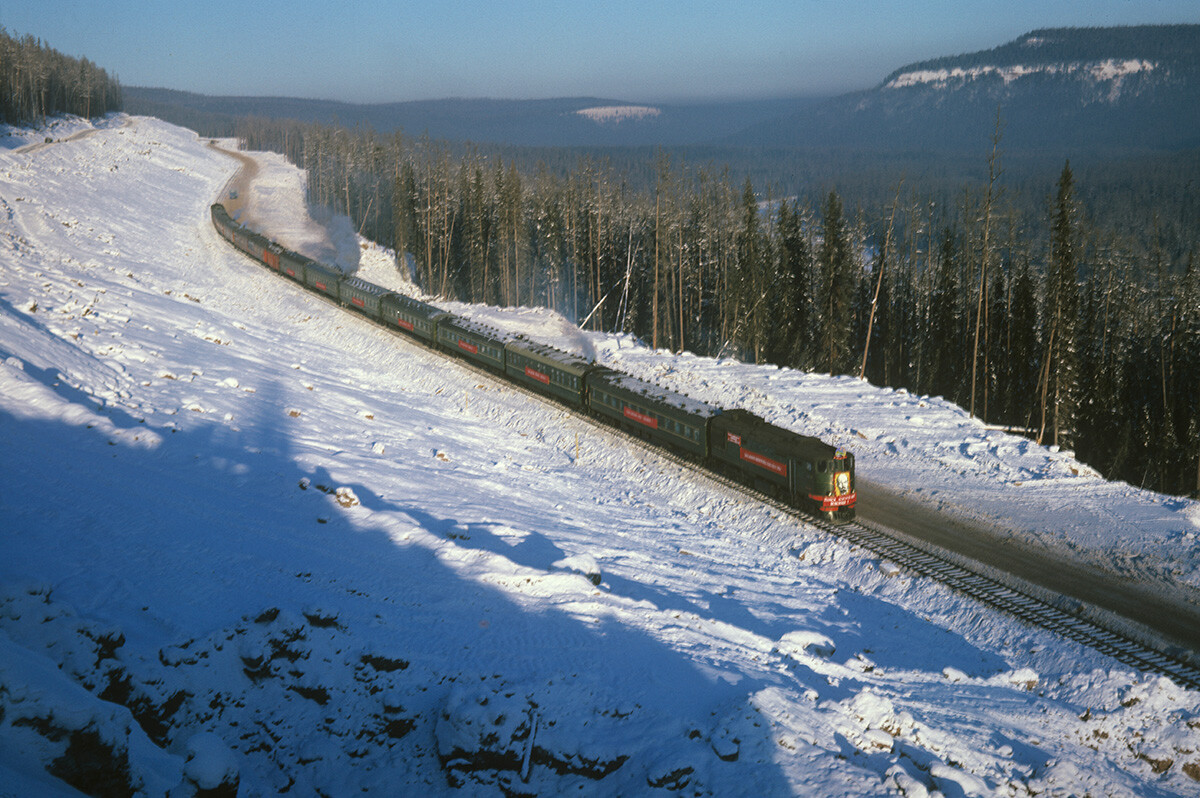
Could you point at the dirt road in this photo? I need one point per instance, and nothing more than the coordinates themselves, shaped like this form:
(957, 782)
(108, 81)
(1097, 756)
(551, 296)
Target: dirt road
(1176, 617)
(40, 145)
(237, 190)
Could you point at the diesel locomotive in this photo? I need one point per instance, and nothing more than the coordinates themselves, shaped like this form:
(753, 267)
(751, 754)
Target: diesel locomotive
(802, 471)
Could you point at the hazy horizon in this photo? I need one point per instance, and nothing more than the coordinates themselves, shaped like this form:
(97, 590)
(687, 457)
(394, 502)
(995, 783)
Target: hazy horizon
(666, 52)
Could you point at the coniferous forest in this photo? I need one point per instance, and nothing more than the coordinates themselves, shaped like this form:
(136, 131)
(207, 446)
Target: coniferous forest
(38, 81)
(1060, 303)
(1073, 321)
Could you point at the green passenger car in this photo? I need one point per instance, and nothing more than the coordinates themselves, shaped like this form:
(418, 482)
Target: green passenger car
(362, 296)
(651, 411)
(322, 278)
(418, 319)
(547, 370)
(473, 341)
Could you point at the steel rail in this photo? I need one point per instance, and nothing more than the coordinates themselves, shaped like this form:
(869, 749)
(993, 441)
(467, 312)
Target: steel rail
(916, 559)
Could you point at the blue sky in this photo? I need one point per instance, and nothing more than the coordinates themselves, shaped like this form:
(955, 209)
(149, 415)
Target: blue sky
(379, 51)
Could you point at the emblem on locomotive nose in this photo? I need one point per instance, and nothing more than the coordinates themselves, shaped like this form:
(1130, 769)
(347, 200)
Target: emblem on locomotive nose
(842, 483)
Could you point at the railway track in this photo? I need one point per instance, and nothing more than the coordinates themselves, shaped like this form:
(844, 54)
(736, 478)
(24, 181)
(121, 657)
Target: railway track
(914, 558)
(988, 590)
(959, 577)
(917, 559)
(1019, 604)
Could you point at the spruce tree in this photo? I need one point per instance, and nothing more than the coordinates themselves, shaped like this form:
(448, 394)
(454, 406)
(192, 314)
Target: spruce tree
(945, 329)
(748, 291)
(404, 214)
(835, 289)
(792, 329)
(1061, 387)
(1021, 345)
(1188, 397)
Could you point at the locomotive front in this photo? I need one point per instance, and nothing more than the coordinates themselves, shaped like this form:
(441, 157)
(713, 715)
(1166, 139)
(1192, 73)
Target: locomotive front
(834, 495)
(804, 471)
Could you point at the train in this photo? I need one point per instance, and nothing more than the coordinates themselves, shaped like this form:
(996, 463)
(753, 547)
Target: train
(801, 471)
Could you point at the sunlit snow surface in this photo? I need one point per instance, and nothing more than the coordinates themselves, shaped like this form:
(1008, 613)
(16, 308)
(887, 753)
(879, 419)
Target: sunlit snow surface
(304, 550)
(615, 114)
(1108, 70)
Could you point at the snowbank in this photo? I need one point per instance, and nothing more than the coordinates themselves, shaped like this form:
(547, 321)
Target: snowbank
(233, 510)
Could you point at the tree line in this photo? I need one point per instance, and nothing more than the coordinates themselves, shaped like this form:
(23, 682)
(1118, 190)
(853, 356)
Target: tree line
(37, 81)
(1067, 323)
(1171, 43)
(1051, 324)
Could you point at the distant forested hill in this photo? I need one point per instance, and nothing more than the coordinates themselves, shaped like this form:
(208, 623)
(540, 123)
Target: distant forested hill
(1054, 46)
(1059, 91)
(561, 122)
(1055, 90)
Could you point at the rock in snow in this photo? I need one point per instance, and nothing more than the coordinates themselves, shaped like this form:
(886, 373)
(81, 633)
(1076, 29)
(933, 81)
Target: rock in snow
(210, 765)
(583, 564)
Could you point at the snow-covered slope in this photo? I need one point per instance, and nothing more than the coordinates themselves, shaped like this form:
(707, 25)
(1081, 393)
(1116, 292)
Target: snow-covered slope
(1094, 64)
(1078, 91)
(615, 114)
(247, 536)
(1109, 71)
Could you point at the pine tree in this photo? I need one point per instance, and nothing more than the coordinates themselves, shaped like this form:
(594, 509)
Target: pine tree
(835, 289)
(881, 263)
(1021, 345)
(748, 287)
(792, 338)
(945, 320)
(1061, 375)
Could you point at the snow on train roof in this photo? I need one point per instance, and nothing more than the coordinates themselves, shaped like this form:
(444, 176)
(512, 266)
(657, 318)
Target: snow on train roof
(409, 303)
(538, 349)
(760, 432)
(633, 385)
(364, 285)
(333, 271)
(479, 328)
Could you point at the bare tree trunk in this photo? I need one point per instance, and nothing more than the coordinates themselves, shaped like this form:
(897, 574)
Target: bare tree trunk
(988, 198)
(679, 287)
(1044, 382)
(887, 242)
(598, 280)
(428, 213)
(654, 298)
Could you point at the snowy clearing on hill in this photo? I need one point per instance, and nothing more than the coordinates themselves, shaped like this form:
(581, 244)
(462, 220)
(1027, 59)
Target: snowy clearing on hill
(615, 114)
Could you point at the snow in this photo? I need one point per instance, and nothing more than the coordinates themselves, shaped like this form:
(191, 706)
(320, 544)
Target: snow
(248, 536)
(56, 128)
(934, 451)
(615, 114)
(1107, 70)
(210, 764)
